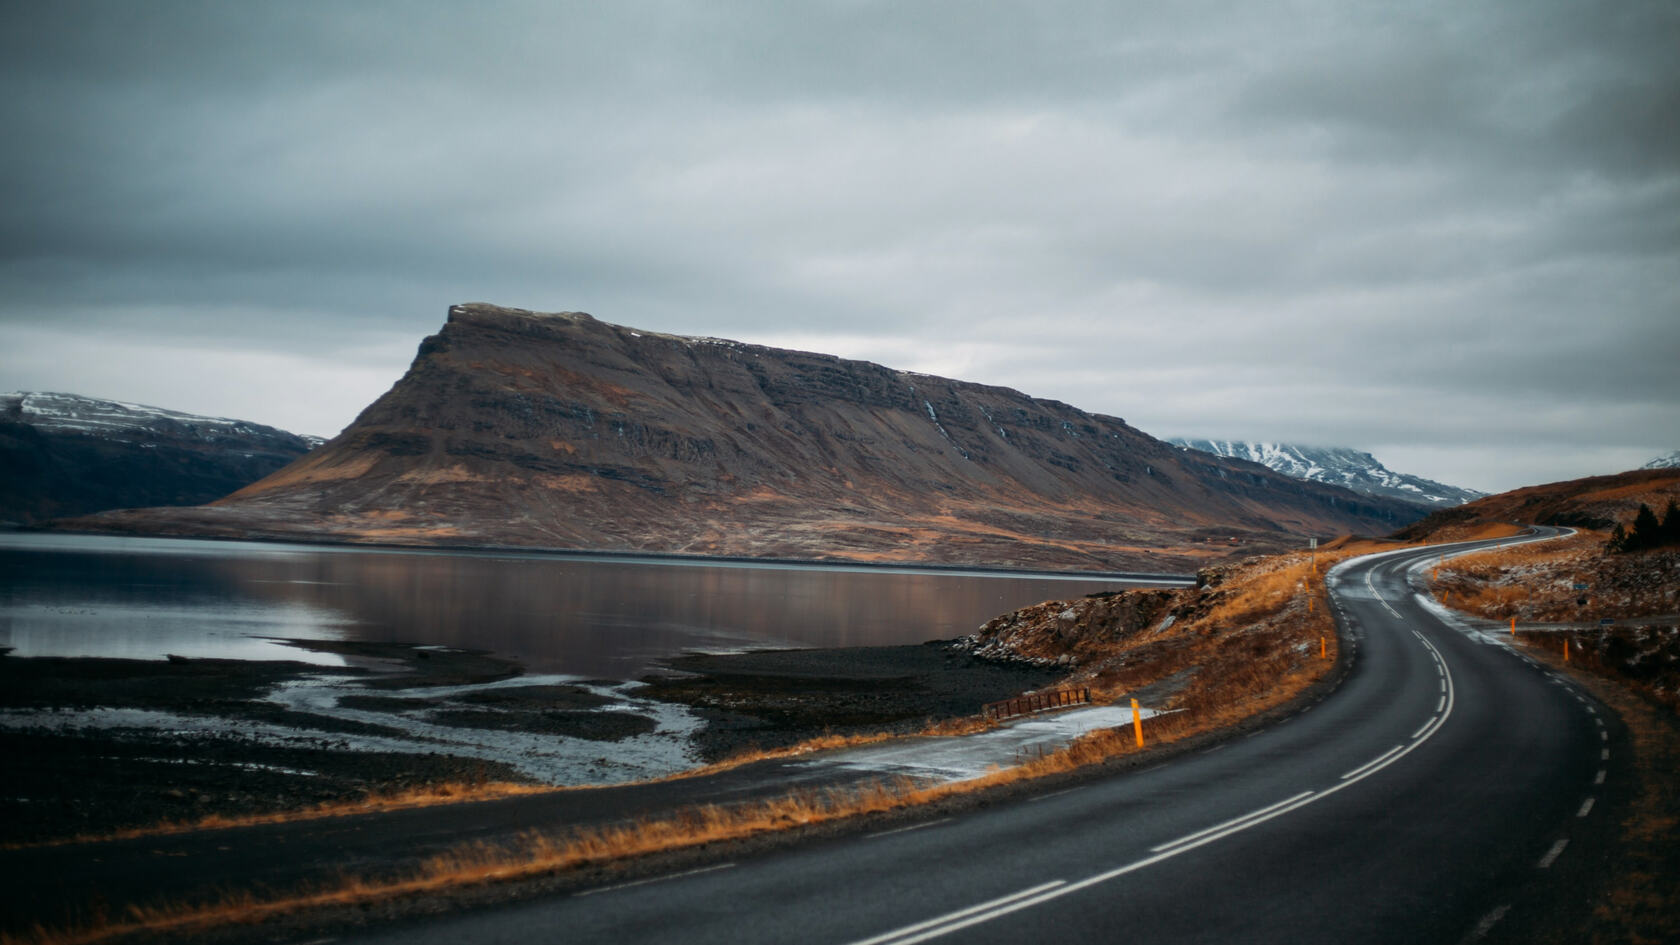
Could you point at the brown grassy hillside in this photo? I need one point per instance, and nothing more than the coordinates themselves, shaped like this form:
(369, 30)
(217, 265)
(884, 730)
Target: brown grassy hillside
(1596, 503)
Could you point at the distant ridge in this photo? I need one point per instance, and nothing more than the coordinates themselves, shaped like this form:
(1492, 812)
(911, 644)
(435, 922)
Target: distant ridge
(65, 454)
(557, 430)
(1596, 502)
(1670, 460)
(1349, 468)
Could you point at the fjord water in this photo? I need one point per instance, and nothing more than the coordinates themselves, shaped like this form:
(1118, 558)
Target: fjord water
(143, 598)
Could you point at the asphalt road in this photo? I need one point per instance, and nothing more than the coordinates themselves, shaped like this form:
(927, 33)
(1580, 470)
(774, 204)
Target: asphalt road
(1430, 798)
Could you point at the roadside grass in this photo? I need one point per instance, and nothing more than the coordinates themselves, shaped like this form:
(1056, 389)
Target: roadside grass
(431, 795)
(1528, 582)
(1572, 580)
(1254, 643)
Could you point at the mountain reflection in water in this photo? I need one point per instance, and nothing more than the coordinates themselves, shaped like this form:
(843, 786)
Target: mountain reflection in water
(74, 595)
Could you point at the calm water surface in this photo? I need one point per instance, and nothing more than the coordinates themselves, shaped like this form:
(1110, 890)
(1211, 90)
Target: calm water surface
(142, 598)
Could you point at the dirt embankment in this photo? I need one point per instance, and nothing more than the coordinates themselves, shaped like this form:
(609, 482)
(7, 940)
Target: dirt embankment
(1251, 636)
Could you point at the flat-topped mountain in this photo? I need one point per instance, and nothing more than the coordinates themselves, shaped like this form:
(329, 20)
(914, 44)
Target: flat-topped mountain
(1340, 466)
(65, 454)
(558, 430)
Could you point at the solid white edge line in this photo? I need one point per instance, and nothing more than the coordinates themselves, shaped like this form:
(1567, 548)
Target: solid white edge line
(1373, 762)
(896, 934)
(1232, 822)
(1552, 854)
(1586, 807)
(977, 919)
(652, 879)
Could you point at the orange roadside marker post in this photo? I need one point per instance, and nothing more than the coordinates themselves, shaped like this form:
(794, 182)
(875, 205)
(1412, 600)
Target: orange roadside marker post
(1323, 649)
(1513, 626)
(1137, 723)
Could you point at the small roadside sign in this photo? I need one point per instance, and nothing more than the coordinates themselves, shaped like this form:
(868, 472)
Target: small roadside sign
(1312, 543)
(1580, 587)
(1605, 621)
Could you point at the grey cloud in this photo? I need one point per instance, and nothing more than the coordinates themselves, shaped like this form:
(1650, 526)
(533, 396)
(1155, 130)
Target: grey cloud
(1330, 219)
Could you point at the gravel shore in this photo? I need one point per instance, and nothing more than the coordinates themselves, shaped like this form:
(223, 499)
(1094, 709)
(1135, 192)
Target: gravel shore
(99, 745)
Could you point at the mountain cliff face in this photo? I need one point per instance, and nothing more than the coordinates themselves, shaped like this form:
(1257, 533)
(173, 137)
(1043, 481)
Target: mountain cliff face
(558, 430)
(62, 454)
(1339, 466)
(1669, 460)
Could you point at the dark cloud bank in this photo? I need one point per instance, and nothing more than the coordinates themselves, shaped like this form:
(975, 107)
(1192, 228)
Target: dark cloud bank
(1447, 233)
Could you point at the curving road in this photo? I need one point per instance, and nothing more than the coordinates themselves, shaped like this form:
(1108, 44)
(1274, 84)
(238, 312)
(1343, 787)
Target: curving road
(1431, 795)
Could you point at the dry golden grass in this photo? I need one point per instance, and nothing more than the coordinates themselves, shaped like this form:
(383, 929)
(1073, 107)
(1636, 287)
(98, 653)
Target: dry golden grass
(1536, 582)
(1525, 556)
(1495, 530)
(820, 743)
(1651, 492)
(1492, 601)
(428, 796)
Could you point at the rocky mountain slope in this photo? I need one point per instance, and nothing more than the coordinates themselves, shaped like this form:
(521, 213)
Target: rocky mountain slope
(1669, 460)
(558, 430)
(1348, 468)
(63, 454)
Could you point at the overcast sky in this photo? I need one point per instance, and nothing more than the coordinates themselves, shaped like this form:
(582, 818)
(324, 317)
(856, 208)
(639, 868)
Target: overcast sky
(1448, 233)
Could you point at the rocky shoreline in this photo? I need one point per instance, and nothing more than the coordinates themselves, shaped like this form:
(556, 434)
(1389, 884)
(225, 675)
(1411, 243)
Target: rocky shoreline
(69, 776)
(102, 745)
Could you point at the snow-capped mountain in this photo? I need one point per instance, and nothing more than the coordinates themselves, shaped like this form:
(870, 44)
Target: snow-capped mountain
(124, 422)
(64, 454)
(1349, 468)
(1670, 460)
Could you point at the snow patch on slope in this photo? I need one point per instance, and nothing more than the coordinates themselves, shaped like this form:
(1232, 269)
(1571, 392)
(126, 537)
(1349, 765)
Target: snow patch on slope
(1337, 466)
(122, 421)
